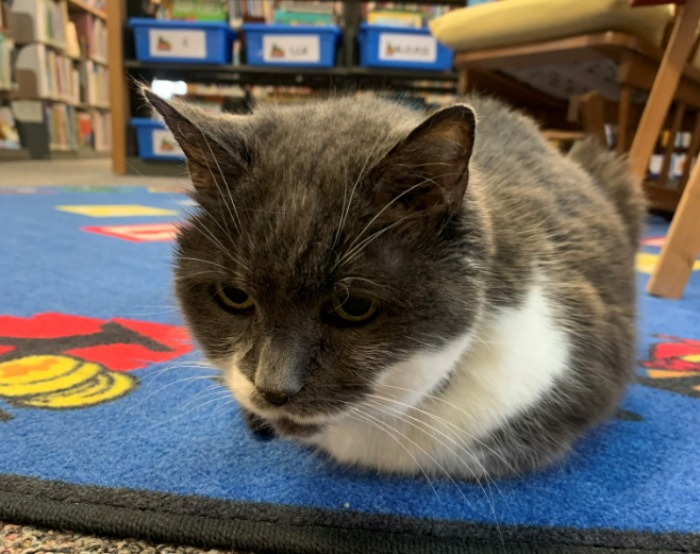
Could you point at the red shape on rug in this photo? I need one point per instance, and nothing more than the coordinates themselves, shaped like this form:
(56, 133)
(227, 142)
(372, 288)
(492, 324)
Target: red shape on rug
(48, 326)
(118, 344)
(679, 355)
(144, 232)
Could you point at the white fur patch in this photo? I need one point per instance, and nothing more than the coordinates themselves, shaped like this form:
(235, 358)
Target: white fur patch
(513, 359)
(411, 380)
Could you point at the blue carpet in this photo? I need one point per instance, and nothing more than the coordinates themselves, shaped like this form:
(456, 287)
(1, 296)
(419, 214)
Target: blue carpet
(107, 426)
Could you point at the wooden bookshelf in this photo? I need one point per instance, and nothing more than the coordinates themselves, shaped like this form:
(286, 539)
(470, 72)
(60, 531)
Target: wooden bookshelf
(12, 155)
(79, 5)
(118, 85)
(61, 101)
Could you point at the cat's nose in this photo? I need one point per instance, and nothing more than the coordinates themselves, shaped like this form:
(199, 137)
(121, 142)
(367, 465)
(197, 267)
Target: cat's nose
(278, 398)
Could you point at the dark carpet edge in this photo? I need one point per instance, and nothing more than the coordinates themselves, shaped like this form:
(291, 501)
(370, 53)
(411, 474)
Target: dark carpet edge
(247, 526)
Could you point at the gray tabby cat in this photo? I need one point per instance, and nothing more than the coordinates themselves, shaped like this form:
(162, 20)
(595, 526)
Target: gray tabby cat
(409, 292)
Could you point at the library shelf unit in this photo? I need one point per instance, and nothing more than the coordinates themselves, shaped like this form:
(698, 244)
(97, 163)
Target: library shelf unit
(346, 75)
(60, 100)
(7, 81)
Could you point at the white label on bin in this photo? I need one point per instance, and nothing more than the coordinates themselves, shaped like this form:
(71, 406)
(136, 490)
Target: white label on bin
(291, 48)
(176, 43)
(164, 144)
(396, 47)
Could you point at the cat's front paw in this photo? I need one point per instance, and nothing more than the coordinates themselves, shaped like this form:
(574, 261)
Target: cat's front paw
(259, 428)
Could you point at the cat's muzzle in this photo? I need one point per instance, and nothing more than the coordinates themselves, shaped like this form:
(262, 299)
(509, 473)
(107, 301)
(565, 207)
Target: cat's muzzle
(282, 427)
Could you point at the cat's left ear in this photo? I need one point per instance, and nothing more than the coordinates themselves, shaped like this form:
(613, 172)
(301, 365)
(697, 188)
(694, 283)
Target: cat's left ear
(429, 169)
(215, 155)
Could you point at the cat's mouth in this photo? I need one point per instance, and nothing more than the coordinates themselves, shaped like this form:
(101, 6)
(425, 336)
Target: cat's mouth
(282, 427)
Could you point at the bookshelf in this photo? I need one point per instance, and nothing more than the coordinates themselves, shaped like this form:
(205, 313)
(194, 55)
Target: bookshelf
(60, 91)
(347, 75)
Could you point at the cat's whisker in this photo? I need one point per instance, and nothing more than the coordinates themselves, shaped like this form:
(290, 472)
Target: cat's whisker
(364, 418)
(430, 432)
(140, 314)
(380, 212)
(346, 210)
(189, 379)
(352, 254)
(155, 375)
(461, 410)
(180, 368)
(236, 221)
(373, 283)
(456, 428)
(460, 444)
(219, 396)
(423, 450)
(201, 394)
(205, 262)
(224, 251)
(143, 401)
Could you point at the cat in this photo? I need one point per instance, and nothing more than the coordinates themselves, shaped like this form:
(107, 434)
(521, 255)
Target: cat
(437, 293)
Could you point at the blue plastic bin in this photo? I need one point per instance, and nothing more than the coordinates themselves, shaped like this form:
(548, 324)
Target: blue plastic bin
(155, 141)
(291, 45)
(203, 42)
(402, 47)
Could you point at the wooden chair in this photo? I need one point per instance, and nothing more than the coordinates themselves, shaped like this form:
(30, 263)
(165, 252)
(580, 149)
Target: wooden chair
(682, 244)
(627, 65)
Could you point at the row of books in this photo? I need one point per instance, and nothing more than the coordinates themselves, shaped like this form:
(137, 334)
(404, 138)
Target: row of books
(101, 137)
(43, 73)
(292, 12)
(40, 21)
(295, 94)
(401, 14)
(96, 81)
(295, 12)
(78, 34)
(90, 34)
(72, 129)
(675, 168)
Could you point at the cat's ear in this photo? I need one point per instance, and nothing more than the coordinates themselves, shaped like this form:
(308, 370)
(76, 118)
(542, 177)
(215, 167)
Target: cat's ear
(429, 169)
(215, 154)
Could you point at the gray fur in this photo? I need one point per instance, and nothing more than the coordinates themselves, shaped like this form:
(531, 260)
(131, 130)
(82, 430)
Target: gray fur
(286, 193)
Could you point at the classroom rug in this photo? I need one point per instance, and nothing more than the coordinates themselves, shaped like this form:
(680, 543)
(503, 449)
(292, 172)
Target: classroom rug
(110, 426)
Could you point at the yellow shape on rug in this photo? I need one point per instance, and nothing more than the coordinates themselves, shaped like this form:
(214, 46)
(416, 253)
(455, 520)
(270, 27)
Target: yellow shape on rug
(56, 382)
(115, 210)
(646, 262)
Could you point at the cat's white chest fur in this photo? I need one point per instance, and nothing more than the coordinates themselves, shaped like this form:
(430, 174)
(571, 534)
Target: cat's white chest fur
(495, 373)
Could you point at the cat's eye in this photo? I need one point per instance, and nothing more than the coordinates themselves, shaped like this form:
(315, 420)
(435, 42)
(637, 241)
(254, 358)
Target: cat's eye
(355, 309)
(233, 299)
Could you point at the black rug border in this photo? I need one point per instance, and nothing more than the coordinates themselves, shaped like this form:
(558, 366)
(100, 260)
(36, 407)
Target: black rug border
(249, 526)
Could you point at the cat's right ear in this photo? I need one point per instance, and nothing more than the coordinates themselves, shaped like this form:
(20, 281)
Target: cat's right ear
(428, 171)
(216, 157)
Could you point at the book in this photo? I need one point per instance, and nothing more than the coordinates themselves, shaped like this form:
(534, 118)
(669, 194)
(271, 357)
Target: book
(6, 73)
(85, 132)
(9, 137)
(396, 18)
